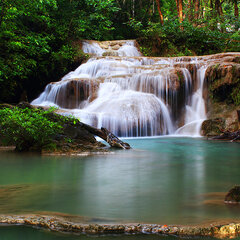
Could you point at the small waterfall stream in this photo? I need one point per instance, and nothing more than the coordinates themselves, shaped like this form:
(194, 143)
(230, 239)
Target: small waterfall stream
(129, 94)
(195, 111)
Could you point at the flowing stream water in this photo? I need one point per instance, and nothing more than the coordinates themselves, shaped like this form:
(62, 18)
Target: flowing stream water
(132, 95)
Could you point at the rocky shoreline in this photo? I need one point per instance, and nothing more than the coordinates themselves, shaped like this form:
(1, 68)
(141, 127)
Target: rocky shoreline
(63, 224)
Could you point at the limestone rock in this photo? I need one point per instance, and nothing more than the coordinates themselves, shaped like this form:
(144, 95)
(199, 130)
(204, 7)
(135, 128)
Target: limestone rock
(212, 127)
(223, 78)
(110, 53)
(71, 93)
(233, 196)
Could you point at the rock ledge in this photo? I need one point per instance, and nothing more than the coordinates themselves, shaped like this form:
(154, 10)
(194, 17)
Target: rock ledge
(61, 224)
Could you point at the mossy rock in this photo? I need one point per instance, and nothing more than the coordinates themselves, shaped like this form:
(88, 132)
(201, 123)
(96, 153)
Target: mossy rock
(213, 127)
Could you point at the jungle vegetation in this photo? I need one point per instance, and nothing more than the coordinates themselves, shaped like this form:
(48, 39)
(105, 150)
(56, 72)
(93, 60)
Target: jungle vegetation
(39, 39)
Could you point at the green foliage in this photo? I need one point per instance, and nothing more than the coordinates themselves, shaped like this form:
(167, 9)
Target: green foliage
(27, 128)
(37, 40)
(236, 94)
(177, 39)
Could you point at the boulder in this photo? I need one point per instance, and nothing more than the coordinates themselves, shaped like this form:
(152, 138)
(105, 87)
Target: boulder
(212, 127)
(72, 93)
(233, 196)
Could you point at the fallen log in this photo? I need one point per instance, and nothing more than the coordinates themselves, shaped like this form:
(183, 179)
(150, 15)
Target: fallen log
(107, 136)
(232, 136)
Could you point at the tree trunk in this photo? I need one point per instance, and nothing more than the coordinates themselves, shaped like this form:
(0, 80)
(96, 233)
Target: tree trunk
(180, 11)
(159, 11)
(236, 13)
(231, 136)
(218, 8)
(106, 135)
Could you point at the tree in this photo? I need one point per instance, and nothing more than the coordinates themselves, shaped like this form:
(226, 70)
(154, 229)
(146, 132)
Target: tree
(236, 13)
(159, 11)
(37, 40)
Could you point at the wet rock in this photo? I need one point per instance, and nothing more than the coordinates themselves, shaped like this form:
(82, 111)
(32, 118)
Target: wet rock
(71, 93)
(25, 105)
(233, 196)
(225, 111)
(222, 79)
(60, 224)
(223, 82)
(212, 127)
(110, 53)
(229, 230)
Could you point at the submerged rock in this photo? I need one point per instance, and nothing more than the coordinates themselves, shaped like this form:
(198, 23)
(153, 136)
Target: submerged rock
(233, 196)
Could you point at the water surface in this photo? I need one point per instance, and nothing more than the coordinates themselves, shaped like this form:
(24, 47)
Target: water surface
(161, 180)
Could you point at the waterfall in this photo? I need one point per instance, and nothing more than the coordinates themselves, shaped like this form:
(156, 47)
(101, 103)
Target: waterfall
(195, 111)
(129, 94)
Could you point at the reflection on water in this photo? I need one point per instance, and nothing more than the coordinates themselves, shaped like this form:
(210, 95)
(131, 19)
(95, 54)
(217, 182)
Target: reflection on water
(161, 180)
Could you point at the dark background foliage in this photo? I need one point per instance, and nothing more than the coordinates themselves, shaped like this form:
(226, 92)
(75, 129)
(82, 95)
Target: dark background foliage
(40, 39)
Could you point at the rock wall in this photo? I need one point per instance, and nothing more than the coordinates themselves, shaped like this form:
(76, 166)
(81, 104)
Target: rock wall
(222, 95)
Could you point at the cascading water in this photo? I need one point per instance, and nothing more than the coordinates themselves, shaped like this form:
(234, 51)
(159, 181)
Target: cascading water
(129, 94)
(195, 111)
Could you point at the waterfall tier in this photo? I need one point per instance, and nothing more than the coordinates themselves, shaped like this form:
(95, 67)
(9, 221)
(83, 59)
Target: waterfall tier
(132, 95)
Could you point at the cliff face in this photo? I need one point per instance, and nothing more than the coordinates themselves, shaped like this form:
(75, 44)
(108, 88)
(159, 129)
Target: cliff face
(222, 95)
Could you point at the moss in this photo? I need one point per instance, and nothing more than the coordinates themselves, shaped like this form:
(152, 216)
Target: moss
(235, 95)
(216, 66)
(234, 70)
(180, 77)
(213, 127)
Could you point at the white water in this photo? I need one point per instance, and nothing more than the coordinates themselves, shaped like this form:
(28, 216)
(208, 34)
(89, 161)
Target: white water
(195, 111)
(129, 94)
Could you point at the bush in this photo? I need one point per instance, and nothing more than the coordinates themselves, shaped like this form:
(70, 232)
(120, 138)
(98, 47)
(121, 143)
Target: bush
(28, 129)
(175, 39)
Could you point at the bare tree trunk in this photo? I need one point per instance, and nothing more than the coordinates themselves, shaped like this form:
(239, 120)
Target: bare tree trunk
(236, 12)
(106, 135)
(180, 10)
(159, 11)
(218, 8)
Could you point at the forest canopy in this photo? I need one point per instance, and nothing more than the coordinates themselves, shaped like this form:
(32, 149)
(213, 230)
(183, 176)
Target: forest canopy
(39, 39)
